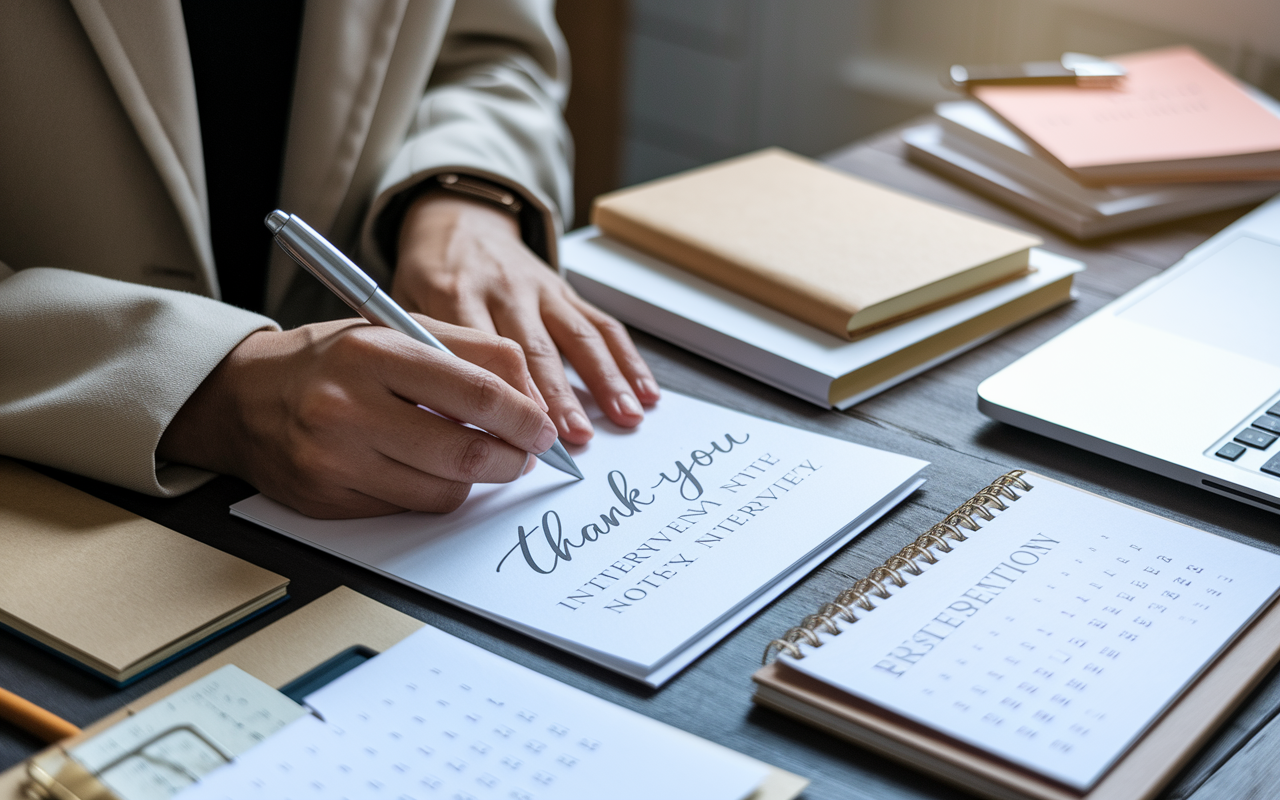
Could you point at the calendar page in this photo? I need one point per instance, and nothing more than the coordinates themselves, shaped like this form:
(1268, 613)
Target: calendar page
(1056, 634)
(436, 717)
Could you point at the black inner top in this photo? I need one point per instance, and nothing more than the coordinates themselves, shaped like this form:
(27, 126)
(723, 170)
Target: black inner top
(244, 54)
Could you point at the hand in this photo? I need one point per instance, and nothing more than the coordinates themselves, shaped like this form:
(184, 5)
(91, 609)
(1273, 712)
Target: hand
(463, 261)
(324, 418)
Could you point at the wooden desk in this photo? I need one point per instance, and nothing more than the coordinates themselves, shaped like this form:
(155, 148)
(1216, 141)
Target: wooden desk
(933, 416)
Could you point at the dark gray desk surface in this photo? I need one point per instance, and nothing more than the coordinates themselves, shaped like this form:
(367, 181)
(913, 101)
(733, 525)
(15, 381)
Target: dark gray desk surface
(932, 417)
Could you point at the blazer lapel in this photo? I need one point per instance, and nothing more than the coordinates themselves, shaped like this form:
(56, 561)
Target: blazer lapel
(361, 65)
(143, 47)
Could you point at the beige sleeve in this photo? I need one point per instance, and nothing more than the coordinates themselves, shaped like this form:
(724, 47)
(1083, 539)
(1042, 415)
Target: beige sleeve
(491, 109)
(92, 370)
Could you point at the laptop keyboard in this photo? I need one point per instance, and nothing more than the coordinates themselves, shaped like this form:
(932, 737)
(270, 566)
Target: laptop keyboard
(1259, 435)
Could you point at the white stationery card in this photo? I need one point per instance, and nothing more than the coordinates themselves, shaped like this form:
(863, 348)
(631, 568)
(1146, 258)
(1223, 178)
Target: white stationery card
(682, 529)
(1055, 635)
(437, 717)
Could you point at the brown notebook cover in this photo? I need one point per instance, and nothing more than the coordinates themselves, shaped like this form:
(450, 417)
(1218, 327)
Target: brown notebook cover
(107, 588)
(829, 249)
(303, 640)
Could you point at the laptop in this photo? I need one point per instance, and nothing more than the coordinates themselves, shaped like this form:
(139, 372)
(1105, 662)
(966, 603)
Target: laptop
(1181, 376)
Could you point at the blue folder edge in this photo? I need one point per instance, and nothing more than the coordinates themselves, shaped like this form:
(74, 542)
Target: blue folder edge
(153, 667)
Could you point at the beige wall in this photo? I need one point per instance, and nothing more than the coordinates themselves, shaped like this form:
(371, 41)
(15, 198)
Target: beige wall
(711, 78)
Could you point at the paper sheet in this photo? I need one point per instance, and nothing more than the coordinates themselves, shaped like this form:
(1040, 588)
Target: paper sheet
(437, 717)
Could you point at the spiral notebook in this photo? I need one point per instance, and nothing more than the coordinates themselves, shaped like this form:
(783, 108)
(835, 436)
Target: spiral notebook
(1041, 641)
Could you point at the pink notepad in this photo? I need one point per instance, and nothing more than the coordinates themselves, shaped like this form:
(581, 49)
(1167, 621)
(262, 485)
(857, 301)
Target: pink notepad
(1176, 116)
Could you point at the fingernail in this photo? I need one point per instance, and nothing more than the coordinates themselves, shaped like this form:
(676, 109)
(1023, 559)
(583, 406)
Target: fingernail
(546, 438)
(648, 386)
(628, 406)
(577, 422)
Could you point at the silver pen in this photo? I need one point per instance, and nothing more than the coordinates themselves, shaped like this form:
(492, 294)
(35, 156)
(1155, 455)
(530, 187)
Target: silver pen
(359, 291)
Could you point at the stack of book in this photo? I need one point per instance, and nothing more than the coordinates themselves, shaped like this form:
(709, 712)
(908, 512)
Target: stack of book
(1177, 137)
(821, 284)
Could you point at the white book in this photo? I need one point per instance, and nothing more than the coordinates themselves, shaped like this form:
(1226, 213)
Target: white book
(929, 146)
(783, 352)
(682, 529)
(975, 147)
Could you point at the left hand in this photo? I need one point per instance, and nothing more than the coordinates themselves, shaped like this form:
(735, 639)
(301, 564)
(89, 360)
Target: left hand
(463, 261)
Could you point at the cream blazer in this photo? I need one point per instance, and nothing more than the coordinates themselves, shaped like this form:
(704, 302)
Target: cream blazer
(109, 317)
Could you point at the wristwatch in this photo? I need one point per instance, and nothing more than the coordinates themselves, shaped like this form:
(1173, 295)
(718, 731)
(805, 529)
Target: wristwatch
(533, 231)
(480, 189)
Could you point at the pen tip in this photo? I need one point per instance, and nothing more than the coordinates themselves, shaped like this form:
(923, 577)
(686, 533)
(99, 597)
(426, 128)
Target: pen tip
(559, 458)
(570, 468)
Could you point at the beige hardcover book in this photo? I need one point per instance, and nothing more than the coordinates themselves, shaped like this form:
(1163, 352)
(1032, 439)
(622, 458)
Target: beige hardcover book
(684, 309)
(107, 588)
(1142, 767)
(294, 645)
(842, 254)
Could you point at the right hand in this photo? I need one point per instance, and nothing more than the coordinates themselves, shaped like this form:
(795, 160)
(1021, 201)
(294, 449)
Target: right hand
(324, 418)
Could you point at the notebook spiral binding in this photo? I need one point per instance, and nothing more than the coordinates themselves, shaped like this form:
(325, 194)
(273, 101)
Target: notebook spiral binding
(859, 595)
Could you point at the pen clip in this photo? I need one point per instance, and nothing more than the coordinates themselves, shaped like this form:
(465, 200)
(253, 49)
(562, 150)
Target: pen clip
(1073, 69)
(309, 249)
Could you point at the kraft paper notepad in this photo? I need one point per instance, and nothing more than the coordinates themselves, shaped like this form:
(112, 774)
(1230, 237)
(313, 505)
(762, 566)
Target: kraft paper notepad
(108, 589)
(840, 253)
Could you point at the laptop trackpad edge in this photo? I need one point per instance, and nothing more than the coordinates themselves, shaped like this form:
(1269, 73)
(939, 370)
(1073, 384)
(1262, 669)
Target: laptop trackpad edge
(1230, 300)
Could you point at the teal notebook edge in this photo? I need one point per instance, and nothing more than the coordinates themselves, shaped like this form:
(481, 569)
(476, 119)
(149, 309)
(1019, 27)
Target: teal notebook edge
(154, 667)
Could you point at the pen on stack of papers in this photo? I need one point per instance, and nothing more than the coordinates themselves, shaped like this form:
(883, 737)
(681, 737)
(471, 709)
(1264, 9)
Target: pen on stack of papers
(1061, 154)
